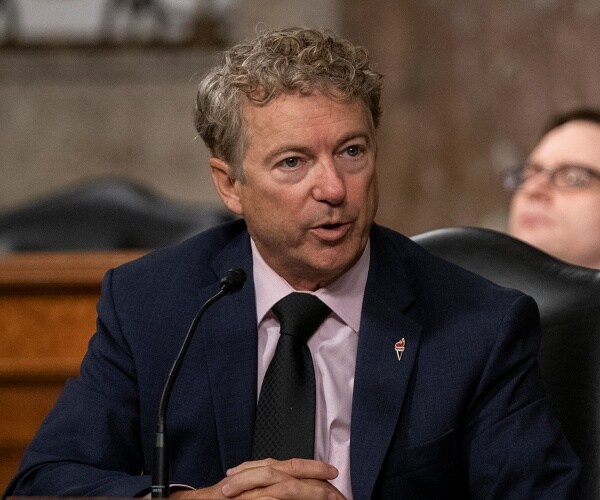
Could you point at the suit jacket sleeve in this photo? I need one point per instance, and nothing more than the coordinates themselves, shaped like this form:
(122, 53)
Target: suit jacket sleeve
(514, 447)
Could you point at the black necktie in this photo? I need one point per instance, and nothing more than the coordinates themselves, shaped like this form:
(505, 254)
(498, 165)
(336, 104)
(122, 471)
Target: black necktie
(285, 416)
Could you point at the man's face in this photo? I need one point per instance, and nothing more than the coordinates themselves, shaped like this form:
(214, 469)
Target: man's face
(563, 222)
(309, 194)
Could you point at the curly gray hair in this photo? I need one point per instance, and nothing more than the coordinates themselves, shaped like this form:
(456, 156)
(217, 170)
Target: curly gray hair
(277, 61)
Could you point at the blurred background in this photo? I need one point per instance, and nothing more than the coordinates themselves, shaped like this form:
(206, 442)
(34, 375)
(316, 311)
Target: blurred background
(92, 88)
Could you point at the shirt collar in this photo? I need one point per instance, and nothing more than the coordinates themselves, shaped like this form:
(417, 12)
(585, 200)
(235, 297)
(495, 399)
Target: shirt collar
(344, 296)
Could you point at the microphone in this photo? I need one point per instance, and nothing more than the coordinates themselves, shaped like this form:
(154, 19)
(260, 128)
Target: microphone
(231, 282)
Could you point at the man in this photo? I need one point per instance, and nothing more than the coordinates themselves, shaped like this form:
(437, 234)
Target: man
(556, 201)
(426, 378)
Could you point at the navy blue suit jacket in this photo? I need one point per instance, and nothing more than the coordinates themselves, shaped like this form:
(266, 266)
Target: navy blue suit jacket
(462, 415)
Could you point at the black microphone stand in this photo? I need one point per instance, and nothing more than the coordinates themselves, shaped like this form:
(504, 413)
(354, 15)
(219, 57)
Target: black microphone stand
(232, 282)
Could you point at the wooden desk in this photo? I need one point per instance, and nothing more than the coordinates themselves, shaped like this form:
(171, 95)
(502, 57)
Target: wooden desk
(47, 315)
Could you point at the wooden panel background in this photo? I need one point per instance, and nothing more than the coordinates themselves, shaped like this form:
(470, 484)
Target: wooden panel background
(47, 315)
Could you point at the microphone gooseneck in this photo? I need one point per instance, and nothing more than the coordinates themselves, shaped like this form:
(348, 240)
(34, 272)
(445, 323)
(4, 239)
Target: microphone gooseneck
(231, 282)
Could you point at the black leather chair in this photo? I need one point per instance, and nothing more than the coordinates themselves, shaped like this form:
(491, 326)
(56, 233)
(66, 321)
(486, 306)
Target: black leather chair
(102, 214)
(568, 297)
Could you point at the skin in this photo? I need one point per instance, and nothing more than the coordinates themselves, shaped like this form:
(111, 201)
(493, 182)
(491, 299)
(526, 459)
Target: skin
(289, 479)
(309, 196)
(562, 222)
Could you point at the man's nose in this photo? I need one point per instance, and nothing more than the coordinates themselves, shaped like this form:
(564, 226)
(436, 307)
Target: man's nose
(539, 182)
(330, 185)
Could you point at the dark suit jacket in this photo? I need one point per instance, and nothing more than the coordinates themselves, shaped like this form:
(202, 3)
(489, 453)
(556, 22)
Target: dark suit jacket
(462, 415)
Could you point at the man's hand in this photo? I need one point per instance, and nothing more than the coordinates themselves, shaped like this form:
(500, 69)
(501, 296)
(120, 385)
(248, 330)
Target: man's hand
(289, 479)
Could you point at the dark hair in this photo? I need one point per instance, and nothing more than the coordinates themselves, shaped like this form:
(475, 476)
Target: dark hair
(277, 61)
(586, 114)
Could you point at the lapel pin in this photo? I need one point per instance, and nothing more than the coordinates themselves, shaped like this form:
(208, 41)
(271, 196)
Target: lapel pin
(400, 346)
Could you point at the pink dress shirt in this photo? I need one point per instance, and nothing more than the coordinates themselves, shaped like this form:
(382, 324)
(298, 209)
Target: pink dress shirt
(333, 348)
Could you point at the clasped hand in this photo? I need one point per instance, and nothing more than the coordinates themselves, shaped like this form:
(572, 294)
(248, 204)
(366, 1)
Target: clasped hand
(288, 479)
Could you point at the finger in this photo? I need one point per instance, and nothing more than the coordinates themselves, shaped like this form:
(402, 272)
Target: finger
(251, 476)
(295, 489)
(251, 464)
(306, 469)
(309, 489)
(297, 467)
(212, 493)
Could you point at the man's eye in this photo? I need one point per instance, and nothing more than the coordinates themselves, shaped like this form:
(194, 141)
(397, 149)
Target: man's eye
(291, 162)
(574, 178)
(353, 150)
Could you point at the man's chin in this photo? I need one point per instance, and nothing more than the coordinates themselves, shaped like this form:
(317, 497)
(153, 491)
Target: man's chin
(314, 275)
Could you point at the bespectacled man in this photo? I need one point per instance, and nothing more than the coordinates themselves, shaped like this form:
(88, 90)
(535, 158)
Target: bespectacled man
(556, 201)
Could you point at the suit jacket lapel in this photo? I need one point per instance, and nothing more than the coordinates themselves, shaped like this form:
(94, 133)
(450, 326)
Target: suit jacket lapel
(231, 350)
(380, 379)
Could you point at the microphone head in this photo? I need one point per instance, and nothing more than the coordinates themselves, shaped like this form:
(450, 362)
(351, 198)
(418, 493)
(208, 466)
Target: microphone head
(233, 281)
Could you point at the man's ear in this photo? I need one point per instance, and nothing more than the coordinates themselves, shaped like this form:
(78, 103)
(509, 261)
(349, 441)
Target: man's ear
(227, 187)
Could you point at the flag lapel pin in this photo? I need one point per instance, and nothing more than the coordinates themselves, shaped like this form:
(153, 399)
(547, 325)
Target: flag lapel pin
(400, 346)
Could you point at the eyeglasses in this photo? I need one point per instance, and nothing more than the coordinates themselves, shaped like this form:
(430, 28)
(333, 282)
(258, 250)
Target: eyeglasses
(566, 176)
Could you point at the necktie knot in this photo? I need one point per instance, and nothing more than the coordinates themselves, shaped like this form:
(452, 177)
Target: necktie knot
(300, 314)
